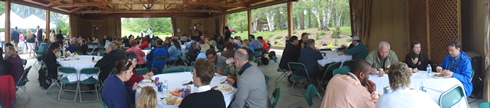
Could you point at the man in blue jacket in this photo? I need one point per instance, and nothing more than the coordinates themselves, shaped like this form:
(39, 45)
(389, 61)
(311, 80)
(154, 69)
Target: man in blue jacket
(459, 66)
(309, 56)
(159, 51)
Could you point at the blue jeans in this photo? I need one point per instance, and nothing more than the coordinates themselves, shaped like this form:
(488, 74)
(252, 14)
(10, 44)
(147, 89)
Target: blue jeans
(2, 44)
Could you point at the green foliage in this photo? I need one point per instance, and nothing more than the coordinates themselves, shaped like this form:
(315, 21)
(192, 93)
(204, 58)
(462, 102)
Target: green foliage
(278, 37)
(317, 36)
(308, 33)
(159, 26)
(343, 30)
(277, 42)
(336, 42)
(349, 39)
(330, 46)
(336, 33)
(323, 33)
(294, 32)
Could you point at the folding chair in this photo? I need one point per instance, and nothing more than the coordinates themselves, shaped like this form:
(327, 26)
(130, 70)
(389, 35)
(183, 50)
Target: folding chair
(64, 80)
(53, 82)
(142, 71)
(258, 55)
(172, 70)
(266, 80)
(342, 71)
(189, 68)
(283, 71)
(330, 68)
(310, 94)
(90, 80)
(23, 84)
(24, 62)
(348, 63)
(452, 97)
(158, 59)
(102, 101)
(276, 95)
(297, 66)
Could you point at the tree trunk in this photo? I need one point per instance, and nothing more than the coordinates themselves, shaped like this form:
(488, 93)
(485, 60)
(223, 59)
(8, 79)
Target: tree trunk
(254, 26)
(270, 20)
(241, 27)
(326, 17)
(315, 12)
(339, 17)
(302, 20)
(309, 20)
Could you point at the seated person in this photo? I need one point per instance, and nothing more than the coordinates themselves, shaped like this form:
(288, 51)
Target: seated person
(416, 59)
(382, 57)
(229, 51)
(115, 93)
(144, 43)
(49, 58)
(135, 78)
(192, 53)
(147, 98)
(254, 43)
(359, 51)
(401, 94)
(140, 54)
(17, 68)
(458, 65)
(353, 90)
(204, 97)
(219, 62)
(73, 47)
(351, 45)
(106, 64)
(4, 65)
(83, 47)
(202, 54)
(290, 53)
(44, 46)
(159, 51)
(174, 51)
(309, 56)
(265, 46)
(246, 44)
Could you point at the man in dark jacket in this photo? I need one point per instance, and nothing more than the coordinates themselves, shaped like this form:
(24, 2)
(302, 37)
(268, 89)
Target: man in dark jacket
(83, 47)
(14, 37)
(309, 56)
(227, 33)
(39, 34)
(4, 65)
(107, 63)
(290, 53)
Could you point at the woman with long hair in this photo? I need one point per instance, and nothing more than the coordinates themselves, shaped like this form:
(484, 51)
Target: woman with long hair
(114, 92)
(174, 51)
(193, 52)
(16, 66)
(31, 39)
(147, 98)
(415, 59)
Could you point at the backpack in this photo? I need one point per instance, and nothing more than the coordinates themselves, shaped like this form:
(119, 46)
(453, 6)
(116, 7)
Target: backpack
(272, 55)
(43, 79)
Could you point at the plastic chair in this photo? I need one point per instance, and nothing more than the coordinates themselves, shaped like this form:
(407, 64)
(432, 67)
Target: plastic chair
(330, 67)
(180, 57)
(297, 66)
(342, 71)
(258, 55)
(23, 85)
(64, 80)
(24, 62)
(472, 74)
(485, 105)
(189, 68)
(147, 49)
(184, 59)
(142, 71)
(158, 59)
(88, 81)
(452, 96)
(276, 95)
(172, 70)
(102, 101)
(266, 80)
(348, 63)
(310, 94)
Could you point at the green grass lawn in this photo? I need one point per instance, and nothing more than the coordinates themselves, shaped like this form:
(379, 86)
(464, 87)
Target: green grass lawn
(266, 35)
(343, 30)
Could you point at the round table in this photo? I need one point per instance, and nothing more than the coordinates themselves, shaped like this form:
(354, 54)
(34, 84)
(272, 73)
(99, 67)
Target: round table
(85, 61)
(175, 80)
(435, 86)
(331, 57)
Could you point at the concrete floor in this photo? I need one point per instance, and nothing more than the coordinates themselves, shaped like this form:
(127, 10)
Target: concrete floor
(40, 99)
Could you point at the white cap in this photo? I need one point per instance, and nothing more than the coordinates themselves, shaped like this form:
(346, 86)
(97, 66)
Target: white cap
(355, 38)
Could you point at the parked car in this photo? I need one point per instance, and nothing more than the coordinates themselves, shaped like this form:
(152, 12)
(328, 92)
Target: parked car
(233, 31)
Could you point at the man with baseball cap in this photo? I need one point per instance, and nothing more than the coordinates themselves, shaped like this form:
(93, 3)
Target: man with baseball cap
(358, 51)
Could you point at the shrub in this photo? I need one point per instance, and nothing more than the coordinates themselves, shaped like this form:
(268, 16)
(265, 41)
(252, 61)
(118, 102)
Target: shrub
(330, 46)
(323, 33)
(294, 32)
(277, 42)
(278, 37)
(168, 33)
(349, 39)
(336, 32)
(308, 33)
(336, 42)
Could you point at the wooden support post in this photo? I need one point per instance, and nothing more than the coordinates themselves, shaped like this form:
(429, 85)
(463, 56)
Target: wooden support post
(290, 19)
(249, 16)
(47, 24)
(428, 28)
(225, 19)
(7, 21)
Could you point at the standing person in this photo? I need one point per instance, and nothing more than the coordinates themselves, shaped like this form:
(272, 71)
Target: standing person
(227, 33)
(60, 37)
(14, 39)
(251, 88)
(205, 97)
(30, 42)
(142, 33)
(52, 36)
(401, 95)
(22, 45)
(16, 65)
(458, 65)
(149, 32)
(39, 34)
(415, 59)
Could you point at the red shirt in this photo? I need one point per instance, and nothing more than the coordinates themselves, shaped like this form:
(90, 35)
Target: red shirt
(265, 46)
(144, 45)
(134, 79)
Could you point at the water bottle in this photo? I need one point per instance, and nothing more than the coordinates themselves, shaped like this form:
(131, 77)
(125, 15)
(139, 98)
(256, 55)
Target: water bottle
(429, 70)
(98, 53)
(422, 87)
(165, 88)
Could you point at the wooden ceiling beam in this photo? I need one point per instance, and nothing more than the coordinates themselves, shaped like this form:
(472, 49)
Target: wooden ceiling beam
(76, 9)
(152, 11)
(147, 2)
(147, 15)
(53, 3)
(39, 6)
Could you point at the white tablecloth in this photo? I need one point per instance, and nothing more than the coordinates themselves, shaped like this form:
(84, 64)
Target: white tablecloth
(333, 57)
(435, 86)
(85, 61)
(92, 46)
(175, 80)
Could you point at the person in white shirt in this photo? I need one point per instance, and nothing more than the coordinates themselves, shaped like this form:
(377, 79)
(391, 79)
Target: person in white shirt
(238, 40)
(2, 39)
(402, 95)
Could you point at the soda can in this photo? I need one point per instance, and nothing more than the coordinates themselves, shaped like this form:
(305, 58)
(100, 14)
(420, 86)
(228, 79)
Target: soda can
(156, 81)
(386, 89)
(160, 88)
(93, 58)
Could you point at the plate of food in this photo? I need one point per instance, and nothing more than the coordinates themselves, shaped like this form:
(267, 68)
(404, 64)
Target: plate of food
(172, 100)
(147, 81)
(226, 89)
(415, 70)
(437, 75)
(216, 74)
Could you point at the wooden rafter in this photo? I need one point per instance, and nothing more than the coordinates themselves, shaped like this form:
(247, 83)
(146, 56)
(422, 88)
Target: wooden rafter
(145, 11)
(76, 9)
(52, 3)
(146, 2)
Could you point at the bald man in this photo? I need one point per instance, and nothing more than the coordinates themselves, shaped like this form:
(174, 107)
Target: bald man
(251, 88)
(382, 57)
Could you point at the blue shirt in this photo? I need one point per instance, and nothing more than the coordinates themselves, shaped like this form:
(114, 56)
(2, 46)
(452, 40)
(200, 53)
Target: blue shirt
(188, 45)
(255, 44)
(116, 94)
(462, 70)
(202, 55)
(156, 52)
(173, 53)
